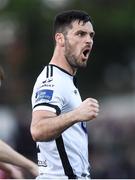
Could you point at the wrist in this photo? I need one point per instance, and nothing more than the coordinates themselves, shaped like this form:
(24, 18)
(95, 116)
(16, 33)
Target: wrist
(76, 117)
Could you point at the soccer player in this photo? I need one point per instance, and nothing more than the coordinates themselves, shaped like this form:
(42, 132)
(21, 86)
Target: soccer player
(59, 116)
(9, 158)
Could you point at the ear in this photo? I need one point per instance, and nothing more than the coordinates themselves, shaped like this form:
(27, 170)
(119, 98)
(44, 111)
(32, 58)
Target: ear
(59, 38)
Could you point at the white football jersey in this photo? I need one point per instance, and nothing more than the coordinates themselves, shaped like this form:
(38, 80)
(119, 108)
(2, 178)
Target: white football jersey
(67, 156)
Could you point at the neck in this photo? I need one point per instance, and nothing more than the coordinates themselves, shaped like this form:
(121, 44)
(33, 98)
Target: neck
(59, 60)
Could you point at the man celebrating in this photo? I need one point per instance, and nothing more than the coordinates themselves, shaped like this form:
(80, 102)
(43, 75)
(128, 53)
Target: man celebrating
(59, 116)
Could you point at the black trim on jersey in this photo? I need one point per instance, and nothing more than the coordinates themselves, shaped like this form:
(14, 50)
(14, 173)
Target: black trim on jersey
(75, 81)
(58, 111)
(64, 158)
(51, 71)
(47, 72)
(61, 69)
(37, 149)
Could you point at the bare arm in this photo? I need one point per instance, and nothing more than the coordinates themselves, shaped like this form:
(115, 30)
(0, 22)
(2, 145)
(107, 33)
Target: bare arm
(9, 155)
(11, 171)
(46, 125)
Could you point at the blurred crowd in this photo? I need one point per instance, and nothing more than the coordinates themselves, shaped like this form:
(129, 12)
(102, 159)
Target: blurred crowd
(112, 148)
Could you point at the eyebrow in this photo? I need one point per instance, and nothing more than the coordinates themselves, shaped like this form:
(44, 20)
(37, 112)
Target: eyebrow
(85, 32)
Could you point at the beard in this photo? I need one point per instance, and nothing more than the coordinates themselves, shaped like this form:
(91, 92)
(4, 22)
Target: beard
(71, 58)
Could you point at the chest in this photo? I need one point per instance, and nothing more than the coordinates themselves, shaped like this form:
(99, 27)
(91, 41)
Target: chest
(72, 99)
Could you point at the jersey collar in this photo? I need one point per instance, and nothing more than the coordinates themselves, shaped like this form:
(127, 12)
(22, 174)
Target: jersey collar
(61, 69)
(74, 77)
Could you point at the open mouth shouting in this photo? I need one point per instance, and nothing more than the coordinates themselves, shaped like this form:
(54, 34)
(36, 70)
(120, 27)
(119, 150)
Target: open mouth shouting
(86, 53)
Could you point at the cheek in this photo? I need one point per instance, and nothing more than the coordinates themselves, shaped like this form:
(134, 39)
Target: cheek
(76, 46)
(92, 42)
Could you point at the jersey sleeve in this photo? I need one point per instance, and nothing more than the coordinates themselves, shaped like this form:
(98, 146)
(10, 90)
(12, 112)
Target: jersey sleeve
(46, 96)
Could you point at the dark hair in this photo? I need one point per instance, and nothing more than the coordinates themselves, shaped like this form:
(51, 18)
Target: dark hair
(64, 19)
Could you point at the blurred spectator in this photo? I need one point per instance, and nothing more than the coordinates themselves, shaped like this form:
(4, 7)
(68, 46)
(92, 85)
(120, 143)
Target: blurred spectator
(8, 156)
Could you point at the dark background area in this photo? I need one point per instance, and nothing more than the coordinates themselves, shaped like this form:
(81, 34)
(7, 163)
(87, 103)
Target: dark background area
(26, 46)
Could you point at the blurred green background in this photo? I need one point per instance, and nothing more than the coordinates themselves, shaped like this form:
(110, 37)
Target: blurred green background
(26, 46)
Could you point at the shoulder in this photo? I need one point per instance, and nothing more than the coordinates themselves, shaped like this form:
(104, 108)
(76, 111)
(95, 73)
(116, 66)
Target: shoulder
(48, 78)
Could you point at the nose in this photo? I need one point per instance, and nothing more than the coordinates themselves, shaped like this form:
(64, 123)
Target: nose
(89, 40)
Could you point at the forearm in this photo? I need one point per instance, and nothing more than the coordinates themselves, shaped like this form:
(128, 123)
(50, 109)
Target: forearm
(9, 155)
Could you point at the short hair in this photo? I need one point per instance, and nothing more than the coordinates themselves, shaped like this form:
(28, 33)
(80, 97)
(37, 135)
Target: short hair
(64, 19)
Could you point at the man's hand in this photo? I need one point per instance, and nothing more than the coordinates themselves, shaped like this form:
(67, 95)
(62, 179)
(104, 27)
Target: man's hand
(88, 110)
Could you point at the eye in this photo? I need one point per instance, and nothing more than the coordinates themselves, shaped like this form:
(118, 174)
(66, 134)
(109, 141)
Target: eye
(92, 35)
(81, 33)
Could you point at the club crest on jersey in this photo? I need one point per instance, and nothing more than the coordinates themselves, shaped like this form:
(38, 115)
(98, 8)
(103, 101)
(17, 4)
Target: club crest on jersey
(75, 91)
(44, 94)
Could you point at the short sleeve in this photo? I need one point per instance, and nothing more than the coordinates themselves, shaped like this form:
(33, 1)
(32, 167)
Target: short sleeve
(46, 96)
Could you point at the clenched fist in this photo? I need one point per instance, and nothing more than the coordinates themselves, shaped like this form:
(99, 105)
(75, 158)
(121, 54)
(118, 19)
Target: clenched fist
(87, 110)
